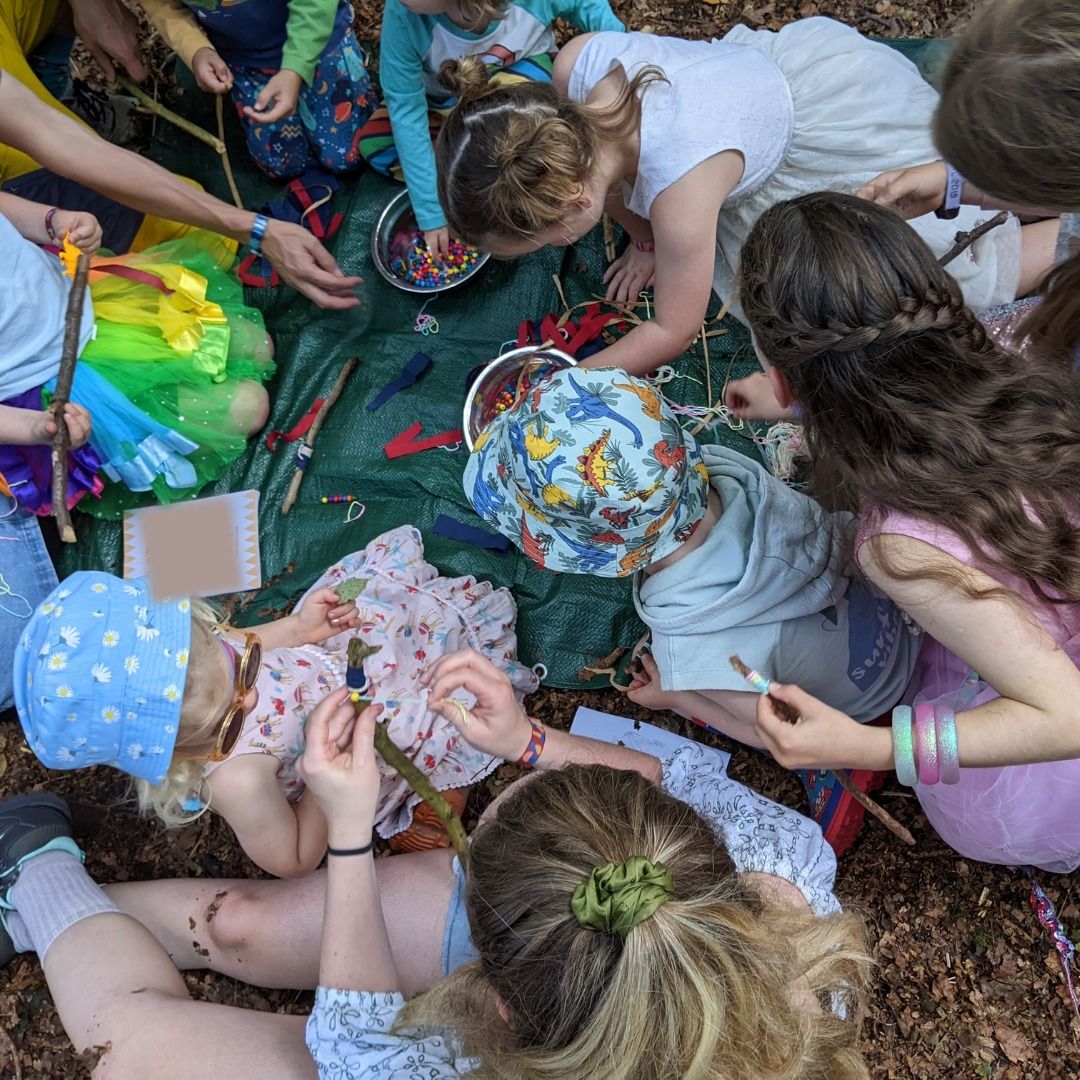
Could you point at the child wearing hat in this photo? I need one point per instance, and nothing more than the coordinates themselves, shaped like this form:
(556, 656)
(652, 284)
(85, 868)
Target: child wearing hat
(204, 714)
(591, 473)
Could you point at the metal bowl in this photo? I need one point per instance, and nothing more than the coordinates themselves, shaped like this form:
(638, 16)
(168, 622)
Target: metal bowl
(395, 216)
(502, 374)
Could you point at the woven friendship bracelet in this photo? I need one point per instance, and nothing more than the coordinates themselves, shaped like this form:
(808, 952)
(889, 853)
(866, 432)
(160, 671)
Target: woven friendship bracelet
(535, 747)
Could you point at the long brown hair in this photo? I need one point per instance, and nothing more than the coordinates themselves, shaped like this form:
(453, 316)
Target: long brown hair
(1009, 120)
(511, 158)
(908, 405)
(706, 988)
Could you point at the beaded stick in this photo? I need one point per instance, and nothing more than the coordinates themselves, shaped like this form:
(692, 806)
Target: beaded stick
(303, 455)
(761, 685)
(786, 712)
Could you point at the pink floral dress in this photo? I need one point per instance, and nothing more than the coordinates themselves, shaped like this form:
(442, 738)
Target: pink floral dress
(415, 617)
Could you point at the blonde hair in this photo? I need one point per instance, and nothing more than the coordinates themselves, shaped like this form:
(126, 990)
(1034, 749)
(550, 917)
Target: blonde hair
(706, 987)
(477, 14)
(512, 158)
(1009, 120)
(204, 705)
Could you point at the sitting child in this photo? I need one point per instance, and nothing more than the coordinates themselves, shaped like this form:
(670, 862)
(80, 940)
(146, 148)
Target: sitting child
(170, 366)
(516, 43)
(202, 714)
(591, 473)
(295, 70)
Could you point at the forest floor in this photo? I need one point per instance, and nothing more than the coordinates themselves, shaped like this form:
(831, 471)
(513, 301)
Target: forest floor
(967, 983)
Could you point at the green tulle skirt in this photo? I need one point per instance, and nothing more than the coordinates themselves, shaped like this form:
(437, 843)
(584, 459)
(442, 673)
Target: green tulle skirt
(188, 359)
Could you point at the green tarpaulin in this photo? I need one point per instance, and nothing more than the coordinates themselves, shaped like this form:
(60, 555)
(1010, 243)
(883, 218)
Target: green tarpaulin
(565, 621)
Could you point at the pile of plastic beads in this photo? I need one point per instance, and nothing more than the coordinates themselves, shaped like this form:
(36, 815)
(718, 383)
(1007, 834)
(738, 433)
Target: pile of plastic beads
(418, 266)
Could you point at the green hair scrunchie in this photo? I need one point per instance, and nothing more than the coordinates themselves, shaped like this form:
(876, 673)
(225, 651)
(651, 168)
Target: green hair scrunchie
(616, 897)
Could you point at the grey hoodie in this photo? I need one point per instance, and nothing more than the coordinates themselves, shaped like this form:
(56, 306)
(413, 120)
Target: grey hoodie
(770, 583)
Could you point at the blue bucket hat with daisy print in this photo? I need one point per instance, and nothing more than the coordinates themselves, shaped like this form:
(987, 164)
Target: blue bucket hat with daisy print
(589, 473)
(99, 675)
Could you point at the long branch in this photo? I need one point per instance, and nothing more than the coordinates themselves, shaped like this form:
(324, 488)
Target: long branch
(404, 767)
(61, 441)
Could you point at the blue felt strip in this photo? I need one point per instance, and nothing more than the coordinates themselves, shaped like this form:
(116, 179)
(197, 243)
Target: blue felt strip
(471, 534)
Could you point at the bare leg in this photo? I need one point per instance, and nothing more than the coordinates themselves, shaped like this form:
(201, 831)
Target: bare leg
(268, 932)
(1038, 247)
(115, 988)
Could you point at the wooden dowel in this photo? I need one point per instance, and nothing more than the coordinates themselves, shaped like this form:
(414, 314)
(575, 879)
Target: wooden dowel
(61, 441)
(219, 105)
(313, 431)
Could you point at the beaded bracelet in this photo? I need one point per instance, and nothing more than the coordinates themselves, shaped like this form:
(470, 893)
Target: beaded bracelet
(50, 229)
(903, 746)
(258, 231)
(926, 744)
(535, 747)
(947, 748)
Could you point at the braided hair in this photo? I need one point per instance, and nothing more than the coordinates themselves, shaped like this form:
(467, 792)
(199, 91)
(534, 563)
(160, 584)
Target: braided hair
(908, 405)
(512, 158)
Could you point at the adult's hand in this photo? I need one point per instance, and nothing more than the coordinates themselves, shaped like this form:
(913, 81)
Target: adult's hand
(110, 32)
(495, 724)
(339, 767)
(308, 267)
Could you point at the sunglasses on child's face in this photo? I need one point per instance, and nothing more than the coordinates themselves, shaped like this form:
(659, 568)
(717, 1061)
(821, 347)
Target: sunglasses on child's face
(246, 667)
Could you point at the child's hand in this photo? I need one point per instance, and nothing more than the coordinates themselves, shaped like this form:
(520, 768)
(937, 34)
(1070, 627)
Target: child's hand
(910, 192)
(823, 738)
(630, 274)
(339, 766)
(752, 398)
(438, 243)
(322, 615)
(277, 99)
(82, 229)
(211, 72)
(494, 725)
(78, 422)
(645, 689)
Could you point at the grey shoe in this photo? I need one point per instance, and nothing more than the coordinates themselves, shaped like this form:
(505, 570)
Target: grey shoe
(27, 824)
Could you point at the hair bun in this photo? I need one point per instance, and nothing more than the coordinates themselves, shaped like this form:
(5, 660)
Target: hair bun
(466, 77)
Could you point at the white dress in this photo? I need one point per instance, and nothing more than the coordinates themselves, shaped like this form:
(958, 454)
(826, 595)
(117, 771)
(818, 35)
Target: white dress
(813, 107)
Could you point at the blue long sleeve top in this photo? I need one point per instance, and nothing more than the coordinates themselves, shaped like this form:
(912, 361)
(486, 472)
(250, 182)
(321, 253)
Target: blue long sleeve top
(414, 46)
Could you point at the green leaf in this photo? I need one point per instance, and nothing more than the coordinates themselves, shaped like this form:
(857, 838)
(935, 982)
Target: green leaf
(351, 588)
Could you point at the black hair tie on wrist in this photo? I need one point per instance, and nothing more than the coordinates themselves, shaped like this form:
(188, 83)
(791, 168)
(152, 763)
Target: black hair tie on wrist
(351, 851)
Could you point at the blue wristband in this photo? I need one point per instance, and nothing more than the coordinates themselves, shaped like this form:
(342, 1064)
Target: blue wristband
(258, 231)
(954, 193)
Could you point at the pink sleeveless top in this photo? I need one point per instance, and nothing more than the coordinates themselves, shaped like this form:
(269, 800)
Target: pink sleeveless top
(1016, 815)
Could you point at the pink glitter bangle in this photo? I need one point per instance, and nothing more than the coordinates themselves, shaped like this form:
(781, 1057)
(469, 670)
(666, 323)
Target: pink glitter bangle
(947, 748)
(926, 751)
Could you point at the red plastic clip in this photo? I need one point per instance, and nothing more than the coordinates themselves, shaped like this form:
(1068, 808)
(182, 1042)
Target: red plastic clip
(407, 443)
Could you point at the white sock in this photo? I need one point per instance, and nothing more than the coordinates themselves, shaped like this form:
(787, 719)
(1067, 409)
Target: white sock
(52, 893)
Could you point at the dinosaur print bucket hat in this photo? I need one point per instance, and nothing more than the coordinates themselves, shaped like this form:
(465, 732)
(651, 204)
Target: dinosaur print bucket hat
(590, 473)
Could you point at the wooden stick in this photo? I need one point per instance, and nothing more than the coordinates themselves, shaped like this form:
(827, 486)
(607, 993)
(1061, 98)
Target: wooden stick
(868, 804)
(173, 118)
(964, 240)
(61, 441)
(404, 767)
(609, 239)
(219, 105)
(787, 713)
(313, 431)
